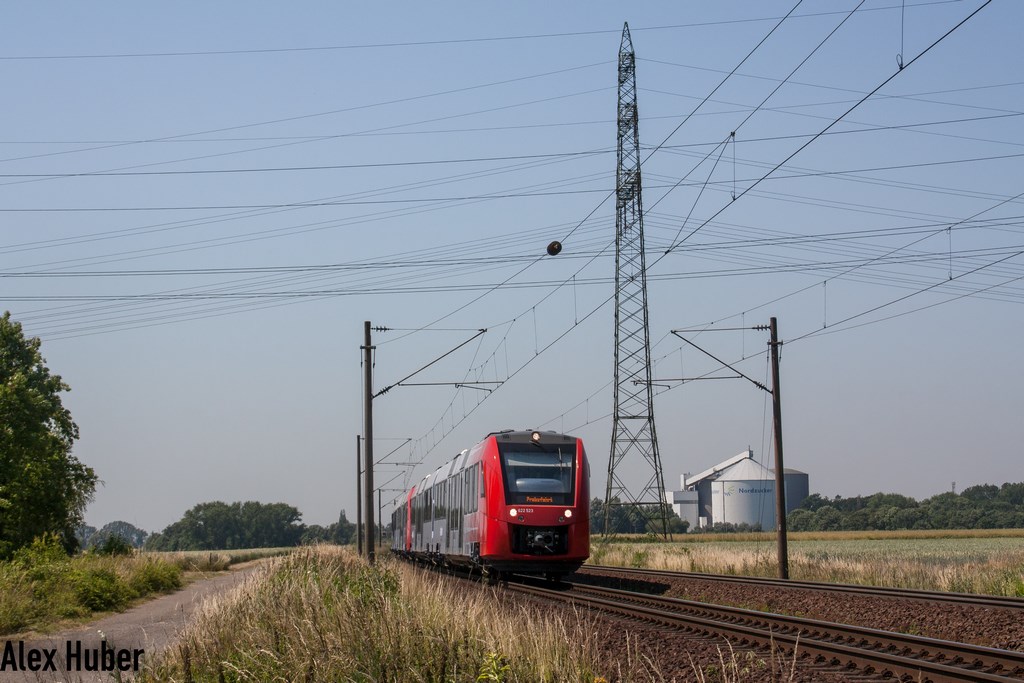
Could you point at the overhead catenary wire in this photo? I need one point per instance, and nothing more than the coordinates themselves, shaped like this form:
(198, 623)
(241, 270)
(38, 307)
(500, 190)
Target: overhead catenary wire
(884, 84)
(300, 117)
(427, 43)
(709, 225)
(840, 117)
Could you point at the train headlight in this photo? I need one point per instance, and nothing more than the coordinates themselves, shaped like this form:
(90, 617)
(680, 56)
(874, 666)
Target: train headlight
(512, 512)
(568, 514)
(535, 436)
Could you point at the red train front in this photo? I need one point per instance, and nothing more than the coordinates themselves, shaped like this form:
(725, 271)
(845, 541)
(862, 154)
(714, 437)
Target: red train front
(515, 502)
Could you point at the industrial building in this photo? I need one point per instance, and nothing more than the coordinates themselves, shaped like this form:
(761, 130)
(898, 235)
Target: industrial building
(736, 491)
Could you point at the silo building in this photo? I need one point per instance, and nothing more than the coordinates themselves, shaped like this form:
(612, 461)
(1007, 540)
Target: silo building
(737, 491)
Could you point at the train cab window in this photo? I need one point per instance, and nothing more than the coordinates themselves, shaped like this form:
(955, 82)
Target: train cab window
(538, 474)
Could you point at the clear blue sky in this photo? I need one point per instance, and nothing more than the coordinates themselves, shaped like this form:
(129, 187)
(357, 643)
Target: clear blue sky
(202, 202)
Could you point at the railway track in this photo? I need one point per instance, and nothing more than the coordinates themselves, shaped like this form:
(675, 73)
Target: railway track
(859, 650)
(872, 591)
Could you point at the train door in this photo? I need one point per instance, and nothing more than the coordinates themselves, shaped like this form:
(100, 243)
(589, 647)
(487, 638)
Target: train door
(414, 528)
(440, 518)
(471, 512)
(428, 520)
(457, 539)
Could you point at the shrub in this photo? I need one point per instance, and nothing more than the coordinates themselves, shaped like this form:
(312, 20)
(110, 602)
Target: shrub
(44, 551)
(41, 584)
(154, 577)
(99, 589)
(494, 669)
(15, 598)
(114, 545)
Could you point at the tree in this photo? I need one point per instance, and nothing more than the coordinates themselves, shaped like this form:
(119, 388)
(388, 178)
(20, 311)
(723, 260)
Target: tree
(127, 532)
(814, 502)
(341, 532)
(827, 518)
(981, 494)
(800, 520)
(1012, 493)
(43, 487)
(229, 526)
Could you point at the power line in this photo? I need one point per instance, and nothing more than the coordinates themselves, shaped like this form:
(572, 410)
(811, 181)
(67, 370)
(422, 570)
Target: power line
(686, 275)
(401, 100)
(835, 121)
(323, 167)
(425, 43)
(487, 129)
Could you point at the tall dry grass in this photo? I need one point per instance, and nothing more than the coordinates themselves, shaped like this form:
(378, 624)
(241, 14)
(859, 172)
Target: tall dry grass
(947, 561)
(214, 560)
(322, 614)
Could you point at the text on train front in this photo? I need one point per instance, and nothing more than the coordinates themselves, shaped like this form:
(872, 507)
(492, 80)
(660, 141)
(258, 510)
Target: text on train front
(538, 474)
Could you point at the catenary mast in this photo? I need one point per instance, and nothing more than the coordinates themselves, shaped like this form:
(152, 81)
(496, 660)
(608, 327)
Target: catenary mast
(634, 445)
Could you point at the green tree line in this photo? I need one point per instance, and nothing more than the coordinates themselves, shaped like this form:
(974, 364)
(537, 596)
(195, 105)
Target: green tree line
(91, 537)
(230, 526)
(985, 506)
(627, 519)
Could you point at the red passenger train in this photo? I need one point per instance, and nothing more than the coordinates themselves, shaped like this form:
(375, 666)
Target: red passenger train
(517, 502)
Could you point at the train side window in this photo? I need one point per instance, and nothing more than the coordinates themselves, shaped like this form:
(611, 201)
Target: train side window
(476, 487)
(455, 499)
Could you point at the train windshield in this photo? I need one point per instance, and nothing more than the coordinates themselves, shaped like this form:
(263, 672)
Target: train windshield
(539, 474)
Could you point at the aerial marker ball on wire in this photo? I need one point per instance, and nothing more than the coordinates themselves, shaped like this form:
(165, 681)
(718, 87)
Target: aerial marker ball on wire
(554, 248)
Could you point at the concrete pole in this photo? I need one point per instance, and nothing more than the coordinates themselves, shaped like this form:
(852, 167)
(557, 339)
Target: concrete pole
(368, 438)
(780, 472)
(359, 500)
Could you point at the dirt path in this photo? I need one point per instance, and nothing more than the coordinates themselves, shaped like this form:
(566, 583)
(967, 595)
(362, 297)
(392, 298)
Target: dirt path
(150, 626)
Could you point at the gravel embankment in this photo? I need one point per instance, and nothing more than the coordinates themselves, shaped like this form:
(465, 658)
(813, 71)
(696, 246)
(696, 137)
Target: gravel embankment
(676, 656)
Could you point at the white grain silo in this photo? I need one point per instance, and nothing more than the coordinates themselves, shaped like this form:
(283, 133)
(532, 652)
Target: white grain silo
(742, 491)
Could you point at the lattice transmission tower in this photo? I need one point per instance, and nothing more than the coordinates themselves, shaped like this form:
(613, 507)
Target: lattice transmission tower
(634, 439)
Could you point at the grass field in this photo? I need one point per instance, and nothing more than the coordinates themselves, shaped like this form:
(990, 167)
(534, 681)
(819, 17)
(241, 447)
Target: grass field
(322, 614)
(215, 560)
(984, 561)
(42, 588)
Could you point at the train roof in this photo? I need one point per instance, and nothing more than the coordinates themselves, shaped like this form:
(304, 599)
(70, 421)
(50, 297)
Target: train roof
(523, 436)
(446, 470)
(530, 435)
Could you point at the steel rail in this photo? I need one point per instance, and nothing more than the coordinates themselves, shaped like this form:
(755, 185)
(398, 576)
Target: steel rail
(876, 591)
(871, 650)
